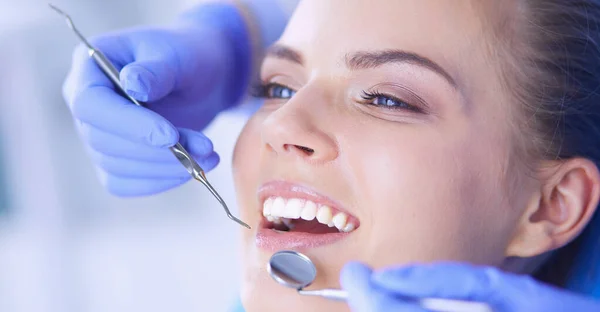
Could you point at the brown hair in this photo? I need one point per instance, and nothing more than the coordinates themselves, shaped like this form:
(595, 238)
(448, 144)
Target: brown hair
(552, 48)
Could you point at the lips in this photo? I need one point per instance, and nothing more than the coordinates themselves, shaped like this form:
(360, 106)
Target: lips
(299, 217)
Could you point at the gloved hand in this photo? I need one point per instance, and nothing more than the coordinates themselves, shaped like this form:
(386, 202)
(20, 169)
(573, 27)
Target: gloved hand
(382, 290)
(186, 73)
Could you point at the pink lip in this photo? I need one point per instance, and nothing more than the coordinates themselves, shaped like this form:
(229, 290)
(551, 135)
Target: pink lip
(271, 240)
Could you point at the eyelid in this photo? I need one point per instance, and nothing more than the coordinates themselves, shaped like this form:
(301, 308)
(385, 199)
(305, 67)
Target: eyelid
(283, 80)
(273, 69)
(403, 93)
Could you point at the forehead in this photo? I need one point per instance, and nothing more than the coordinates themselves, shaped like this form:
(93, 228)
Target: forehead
(448, 31)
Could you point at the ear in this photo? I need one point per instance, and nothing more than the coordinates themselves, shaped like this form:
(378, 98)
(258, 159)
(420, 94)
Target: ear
(560, 210)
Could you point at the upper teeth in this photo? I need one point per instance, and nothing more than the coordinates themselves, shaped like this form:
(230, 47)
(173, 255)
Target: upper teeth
(276, 208)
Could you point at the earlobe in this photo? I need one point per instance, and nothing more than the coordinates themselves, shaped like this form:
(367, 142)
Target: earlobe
(562, 208)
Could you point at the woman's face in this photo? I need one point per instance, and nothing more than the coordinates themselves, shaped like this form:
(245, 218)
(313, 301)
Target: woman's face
(386, 120)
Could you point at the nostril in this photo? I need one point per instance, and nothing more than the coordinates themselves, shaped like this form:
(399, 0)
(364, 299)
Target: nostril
(307, 151)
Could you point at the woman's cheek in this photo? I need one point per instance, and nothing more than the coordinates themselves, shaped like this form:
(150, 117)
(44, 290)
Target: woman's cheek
(412, 197)
(246, 155)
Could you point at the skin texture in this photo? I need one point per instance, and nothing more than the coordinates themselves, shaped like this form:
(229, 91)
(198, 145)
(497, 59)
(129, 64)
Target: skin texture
(443, 184)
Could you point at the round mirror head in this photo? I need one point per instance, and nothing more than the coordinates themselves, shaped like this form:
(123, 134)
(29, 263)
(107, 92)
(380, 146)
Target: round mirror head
(292, 269)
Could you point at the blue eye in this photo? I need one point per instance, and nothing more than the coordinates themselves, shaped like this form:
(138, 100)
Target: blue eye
(280, 92)
(386, 101)
(274, 91)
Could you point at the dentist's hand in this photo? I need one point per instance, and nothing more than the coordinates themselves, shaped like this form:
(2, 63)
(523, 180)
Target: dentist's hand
(382, 290)
(186, 73)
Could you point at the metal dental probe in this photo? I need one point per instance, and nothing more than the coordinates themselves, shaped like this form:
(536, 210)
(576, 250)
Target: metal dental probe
(178, 150)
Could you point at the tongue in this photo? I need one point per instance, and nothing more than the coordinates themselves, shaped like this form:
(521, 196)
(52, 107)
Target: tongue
(312, 227)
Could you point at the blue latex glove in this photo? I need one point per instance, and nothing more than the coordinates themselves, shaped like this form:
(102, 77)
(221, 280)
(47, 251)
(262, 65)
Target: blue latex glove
(382, 290)
(187, 73)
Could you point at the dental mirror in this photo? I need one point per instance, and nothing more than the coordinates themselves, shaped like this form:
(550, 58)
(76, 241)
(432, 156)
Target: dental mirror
(292, 269)
(295, 270)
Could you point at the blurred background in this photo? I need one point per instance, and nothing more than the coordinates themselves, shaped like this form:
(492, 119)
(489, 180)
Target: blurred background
(65, 243)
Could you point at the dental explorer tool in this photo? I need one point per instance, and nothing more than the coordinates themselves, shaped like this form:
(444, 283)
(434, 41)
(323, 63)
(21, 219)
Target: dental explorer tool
(296, 270)
(178, 150)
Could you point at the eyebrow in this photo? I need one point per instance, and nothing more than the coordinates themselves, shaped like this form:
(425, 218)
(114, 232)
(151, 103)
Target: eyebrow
(367, 60)
(285, 53)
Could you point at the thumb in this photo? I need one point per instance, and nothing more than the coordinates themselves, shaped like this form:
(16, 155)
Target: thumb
(444, 280)
(502, 291)
(461, 282)
(173, 60)
(148, 80)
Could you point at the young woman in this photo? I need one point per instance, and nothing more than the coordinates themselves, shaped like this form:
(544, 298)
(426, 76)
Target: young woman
(431, 130)
(403, 132)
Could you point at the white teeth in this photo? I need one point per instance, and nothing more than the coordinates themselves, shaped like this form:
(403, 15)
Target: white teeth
(293, 208)
(324, 215)
(279, 210)
(267, 207)
(309, 211)
(339, 220)
(348, 228)
(278, 207)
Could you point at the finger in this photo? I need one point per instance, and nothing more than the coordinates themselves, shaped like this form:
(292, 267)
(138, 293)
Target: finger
(86, 73)
(104, 109)
(86, 81)
(148, 80)
(135, 169)
(364, 296)
(83, 74)
(116, 146)
(126, 187)
(450, 280)
(500, 290)
(109, 144)
(167, 61)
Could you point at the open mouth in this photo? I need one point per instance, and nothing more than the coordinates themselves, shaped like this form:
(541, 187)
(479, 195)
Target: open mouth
(298, 215)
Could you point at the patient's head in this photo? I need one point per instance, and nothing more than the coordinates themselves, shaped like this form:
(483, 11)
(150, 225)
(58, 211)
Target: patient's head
(414, 131)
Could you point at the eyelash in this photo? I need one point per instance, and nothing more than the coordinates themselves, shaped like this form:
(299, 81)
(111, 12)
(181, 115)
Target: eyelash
(399, 104)
(265, 91)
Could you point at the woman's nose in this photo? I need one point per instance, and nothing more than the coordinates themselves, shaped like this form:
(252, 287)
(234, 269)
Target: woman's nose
(290, 131)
